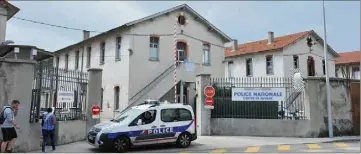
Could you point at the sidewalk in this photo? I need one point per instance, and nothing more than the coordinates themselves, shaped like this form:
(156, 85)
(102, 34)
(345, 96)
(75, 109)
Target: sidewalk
(216, 142)
(240, 141)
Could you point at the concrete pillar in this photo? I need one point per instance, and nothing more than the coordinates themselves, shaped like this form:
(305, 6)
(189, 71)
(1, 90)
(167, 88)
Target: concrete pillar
(203, 115)
(94, 95)
(16, 79)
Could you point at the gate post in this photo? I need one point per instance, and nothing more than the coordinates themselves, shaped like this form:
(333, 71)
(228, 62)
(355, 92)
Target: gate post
(93, 95)
(203, 115)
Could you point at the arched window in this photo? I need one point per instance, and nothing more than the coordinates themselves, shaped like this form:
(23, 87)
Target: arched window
(181, 51)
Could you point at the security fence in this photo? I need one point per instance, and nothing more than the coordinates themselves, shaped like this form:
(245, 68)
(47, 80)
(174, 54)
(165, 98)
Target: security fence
(291, 108)
(62, 89)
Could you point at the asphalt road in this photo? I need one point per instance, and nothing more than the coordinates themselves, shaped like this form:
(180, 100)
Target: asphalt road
(339, 147)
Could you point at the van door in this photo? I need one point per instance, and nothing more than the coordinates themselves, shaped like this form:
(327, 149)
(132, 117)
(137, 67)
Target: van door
(146, 129)
(174, 121)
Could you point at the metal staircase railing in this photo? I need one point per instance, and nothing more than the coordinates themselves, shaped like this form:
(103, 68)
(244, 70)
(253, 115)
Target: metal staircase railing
(149, 86)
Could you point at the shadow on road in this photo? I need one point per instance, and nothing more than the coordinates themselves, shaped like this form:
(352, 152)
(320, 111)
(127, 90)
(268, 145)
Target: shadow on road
(157, 148)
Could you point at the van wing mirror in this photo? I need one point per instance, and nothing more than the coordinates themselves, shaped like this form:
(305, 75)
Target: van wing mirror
(139, 122)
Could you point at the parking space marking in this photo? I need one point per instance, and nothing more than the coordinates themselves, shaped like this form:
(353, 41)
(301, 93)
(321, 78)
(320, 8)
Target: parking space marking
(219, 151)
(341, 145)
(313, 146)
(252, 149)
(283, 147)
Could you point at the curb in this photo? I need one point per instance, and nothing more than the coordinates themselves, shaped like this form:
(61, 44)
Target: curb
(342, 140)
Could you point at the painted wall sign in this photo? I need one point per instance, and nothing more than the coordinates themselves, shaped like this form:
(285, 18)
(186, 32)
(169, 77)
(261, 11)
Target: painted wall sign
(258, 94)
(65, 96)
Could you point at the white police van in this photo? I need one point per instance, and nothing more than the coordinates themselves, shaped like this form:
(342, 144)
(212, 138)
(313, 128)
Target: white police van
(149, 123)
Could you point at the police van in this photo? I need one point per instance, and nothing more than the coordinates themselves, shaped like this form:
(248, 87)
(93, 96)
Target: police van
(152, 122)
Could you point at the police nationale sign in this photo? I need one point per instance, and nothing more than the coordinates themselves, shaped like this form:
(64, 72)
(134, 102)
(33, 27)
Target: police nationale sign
(258, 94)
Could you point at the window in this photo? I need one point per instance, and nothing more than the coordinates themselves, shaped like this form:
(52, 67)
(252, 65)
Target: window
(355, 72)
(154, 48)
(295, 61)
(206, 54)
(336, 72)
(269, 65)
(102, 52)
(57, 62)
(249, 67)
(181, 51)
(116, 97)
(174, 115)
(310, 66)
(145, 121)
(89, 53)
(323, 67)
(76, 60)
(101, 98)
(118, 48)
(66, 61)
(230, 67)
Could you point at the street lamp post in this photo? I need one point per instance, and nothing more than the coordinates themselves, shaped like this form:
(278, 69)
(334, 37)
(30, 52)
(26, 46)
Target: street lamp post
(328, 98)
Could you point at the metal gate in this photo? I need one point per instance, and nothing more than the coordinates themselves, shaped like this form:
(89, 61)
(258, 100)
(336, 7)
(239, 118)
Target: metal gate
(224, 107)
(48, 82)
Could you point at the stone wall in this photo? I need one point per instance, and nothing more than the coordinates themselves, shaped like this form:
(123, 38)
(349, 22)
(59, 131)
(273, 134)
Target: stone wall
(16, 78)
(70, 131)
(341, 105)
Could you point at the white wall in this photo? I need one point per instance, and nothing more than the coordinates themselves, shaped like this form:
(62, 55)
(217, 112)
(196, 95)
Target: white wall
(3, 20)
(115, 73)
(259, 64)
(143, 71)
(301, 49)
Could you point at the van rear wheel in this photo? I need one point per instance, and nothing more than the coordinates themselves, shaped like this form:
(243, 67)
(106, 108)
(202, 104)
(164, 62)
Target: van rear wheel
(184, 140)
(121, 144)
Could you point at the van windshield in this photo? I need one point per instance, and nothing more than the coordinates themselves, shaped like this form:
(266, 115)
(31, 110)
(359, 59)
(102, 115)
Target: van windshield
(124, 116)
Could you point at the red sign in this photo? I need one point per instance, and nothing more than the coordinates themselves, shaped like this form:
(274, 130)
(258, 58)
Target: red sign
(209, 101)
(209, 91)
(95, 109)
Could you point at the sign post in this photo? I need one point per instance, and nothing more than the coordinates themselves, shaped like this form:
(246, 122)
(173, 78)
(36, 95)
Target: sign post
(209, 92)
(95, 111)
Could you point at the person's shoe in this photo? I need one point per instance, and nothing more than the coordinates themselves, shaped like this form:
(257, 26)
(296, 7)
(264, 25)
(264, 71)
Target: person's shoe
(9, 151)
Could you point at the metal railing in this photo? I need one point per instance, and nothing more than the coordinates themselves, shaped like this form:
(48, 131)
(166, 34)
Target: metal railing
(48, 81)
(292, 108)
(149, 86)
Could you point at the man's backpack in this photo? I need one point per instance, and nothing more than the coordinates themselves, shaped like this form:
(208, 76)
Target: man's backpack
(2, 118)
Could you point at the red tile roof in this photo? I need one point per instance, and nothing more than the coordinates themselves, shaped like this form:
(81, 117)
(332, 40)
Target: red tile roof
(348, 57)
(262, 45)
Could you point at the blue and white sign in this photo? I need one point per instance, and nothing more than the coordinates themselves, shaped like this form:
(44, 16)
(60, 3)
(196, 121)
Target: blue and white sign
(189, 65)
(65, 96)
(258, 94)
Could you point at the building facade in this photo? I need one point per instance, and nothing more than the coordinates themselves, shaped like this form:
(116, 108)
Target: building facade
(277, 56)
(137, 58)
(348, 65)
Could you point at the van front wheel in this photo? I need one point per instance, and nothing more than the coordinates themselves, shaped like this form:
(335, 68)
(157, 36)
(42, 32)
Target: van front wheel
(121, 144)
(184, 140)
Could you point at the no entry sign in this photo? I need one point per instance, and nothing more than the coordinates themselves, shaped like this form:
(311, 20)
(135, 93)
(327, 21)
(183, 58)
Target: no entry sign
(209, 101)
(209, 91)
(95, 109)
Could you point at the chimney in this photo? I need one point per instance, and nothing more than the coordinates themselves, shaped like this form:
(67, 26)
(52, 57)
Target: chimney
(235, 45)
(86, 34)
(270, 37)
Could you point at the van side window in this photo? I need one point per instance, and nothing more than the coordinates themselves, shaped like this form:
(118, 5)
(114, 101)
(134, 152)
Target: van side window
(174, 115)
(145, 120)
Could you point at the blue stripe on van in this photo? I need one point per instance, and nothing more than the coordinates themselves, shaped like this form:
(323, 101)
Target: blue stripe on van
(139, 132)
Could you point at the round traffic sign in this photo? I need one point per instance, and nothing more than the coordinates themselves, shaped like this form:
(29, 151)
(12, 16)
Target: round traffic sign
(209, 101)
(209, 91)
(95, 109)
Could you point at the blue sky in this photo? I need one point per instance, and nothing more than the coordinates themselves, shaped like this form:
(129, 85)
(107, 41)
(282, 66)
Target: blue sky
(242, 20)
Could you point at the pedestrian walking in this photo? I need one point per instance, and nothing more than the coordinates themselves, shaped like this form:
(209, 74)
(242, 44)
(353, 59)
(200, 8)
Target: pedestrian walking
(7, 119)
(48, 128)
